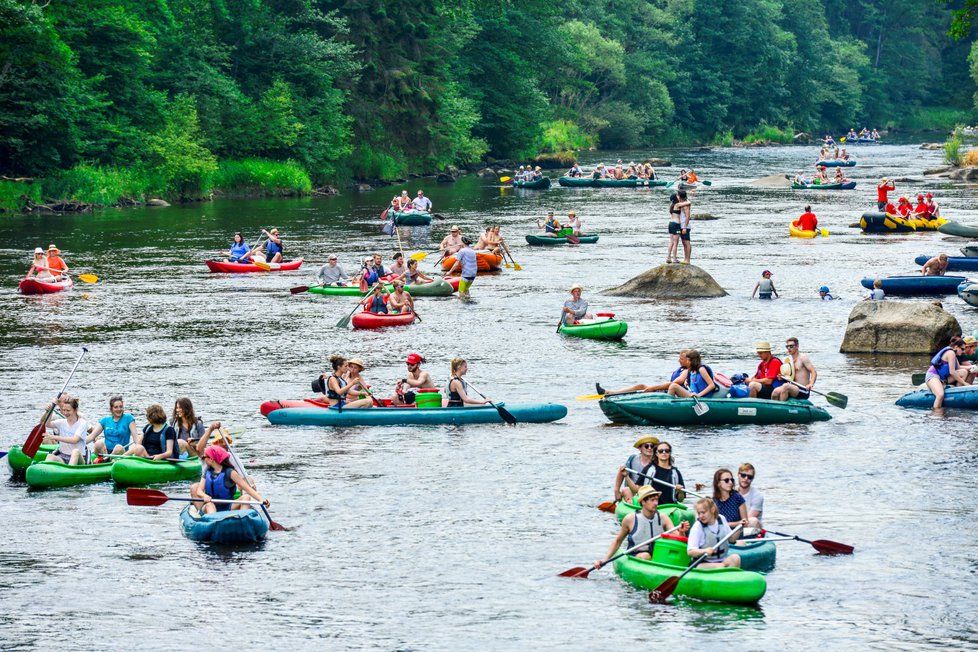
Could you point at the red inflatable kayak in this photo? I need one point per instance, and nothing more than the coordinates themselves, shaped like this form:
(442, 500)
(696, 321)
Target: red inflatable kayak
(33, 286)
(380, 320)
(269, 406)
(225, 267)
(486, 262)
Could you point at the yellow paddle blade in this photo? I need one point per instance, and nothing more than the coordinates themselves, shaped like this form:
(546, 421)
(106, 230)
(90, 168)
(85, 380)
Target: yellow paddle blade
(824, 232)
(590, 397)
(505, 179)
(261, 265)
(421, 255)
(842, 140)
(88, 278)
(517, 266)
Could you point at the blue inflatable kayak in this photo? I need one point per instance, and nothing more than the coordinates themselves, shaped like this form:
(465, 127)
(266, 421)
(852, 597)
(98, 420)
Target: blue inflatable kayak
(315, 416)
(968, 291)
(954, 263)
(836, 163)
(235, 526)
(962, 398)
(917, 285)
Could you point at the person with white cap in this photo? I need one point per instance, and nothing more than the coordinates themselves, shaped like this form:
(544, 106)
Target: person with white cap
(635, 464)
(766, 379)
(765, 286)
(452, 242)
(640, 526)
(39, 267)
(55, 263)
(421, 203)
(575, 308)
(331, 273)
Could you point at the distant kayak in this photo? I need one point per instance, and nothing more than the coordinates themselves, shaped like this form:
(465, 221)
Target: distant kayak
(33, 286)
(958, 229)
(535, 240)
(796, 232)
(836, 163)
(537, 184)
(874, 222)
(917, 285)
(954, 263)
(588, 182)
(437, 288)
(662, 409)
(848, 185)
(412, 218)
(602, 328)
(371, 320)
(225, 267)
(968, 292)
(403, 416)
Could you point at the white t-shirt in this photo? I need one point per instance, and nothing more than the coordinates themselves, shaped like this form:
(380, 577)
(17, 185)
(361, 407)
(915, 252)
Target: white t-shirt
(755, 501)
(697, 535)
(61, 428)
(422, 203)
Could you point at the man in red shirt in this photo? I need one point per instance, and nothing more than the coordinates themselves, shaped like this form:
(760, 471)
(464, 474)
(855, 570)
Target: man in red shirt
(765, 380)
(807, 221)
(882, 188)
(921, 208)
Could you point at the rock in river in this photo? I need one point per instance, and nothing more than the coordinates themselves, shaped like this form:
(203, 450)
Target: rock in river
(671, 281)
(898, 327)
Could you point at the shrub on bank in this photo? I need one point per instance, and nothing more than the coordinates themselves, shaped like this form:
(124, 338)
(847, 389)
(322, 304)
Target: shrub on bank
(259, 176)
(770, 134)
(14, 195)
(564, 135)
(99, 185)
(952, 148)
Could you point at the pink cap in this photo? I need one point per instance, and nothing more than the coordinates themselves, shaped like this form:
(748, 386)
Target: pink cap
(217, 454)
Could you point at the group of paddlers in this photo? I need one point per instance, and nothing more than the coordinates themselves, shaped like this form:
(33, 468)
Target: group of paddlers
(925, 208)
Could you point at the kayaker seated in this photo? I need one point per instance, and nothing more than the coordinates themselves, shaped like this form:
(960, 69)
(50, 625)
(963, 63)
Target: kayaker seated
(575, 308)
(627, 482)
(766, 379)
(839, 177)
(452, 242)
(798, 368)
(400, 301)
(936, 266)
(494, 241)
(663, 468)
(705, 536)
(213, 436)
(575, 171)
(39, 267)
(56, 265)
(331, 274)
(69, 433)
(273, 246)
(753, 499)
(697, 376)
(484, 243)
(640, 526)
(661, 387)
(398, 267)
(421, 203)
(457, 387)
(345, 380)
(219, 481)
(239, 249)
(945, 369)
(551, 226)
(574, 223)
(807, 220)
(413, 277)
(414, 379)
(599, 172)
(691, 177)
(537, 174)
(159, 439)
(376, 301)
(903, 208)
(118, 430)
(764, 289)
(730, 504)
(187, 424)
(369, 276)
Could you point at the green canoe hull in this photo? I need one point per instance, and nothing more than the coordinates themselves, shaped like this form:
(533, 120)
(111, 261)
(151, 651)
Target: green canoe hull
(607, 329)
(19, 462)
(662, 409)
(437, 288)
(674, 511)
(547, 241)
(958, 229)
(412, 219)
(51, 475)
(138, 471)
(539, 184)
(732, 585)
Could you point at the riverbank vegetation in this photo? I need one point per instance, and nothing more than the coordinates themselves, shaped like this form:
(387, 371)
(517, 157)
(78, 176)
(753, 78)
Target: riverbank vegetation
(124, 99)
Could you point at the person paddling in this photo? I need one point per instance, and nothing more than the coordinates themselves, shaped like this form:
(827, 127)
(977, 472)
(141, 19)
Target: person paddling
(803, 373)
(807, 220)
(765, 287)
(551, 226)
(661, 387)
(936, 266)
(69, 432)
(697, 376)
(421, 203)
(457, 387)
(39, 267)
(375, 301)
(635, 464)
(219, 481)
(273, 246)
(575, 309)
(400, 301)
(55, 263)
(663, 467)
(331, 274)
(704, 537)
(945, 369)
(640, 526)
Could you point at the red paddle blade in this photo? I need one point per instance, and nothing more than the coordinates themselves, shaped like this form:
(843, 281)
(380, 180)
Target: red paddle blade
(664, 590)
(301, 288)
(33, 441)
(832, 547)
(578, 572)
(145, 497)
(607, 507)
(278, 527)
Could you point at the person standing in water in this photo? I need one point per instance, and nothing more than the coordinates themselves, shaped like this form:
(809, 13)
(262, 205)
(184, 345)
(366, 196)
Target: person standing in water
(765, 287)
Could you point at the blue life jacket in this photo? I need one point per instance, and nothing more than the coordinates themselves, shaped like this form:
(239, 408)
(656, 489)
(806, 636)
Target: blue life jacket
(377, 304)
(698, 383)
(272, 248)
(220, 486)
(372, 276)
(941, 367)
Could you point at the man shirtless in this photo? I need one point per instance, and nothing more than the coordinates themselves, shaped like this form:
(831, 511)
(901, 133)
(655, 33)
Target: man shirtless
(452, 242)
(805, 374)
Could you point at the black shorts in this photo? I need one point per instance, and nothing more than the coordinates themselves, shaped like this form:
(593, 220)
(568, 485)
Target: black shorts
(674, 228)
(804, 394)
(684, 235)
(881, 206)
(765, 391)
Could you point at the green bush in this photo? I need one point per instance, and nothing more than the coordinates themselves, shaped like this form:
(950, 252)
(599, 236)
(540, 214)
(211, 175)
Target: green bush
(952, 148)
(769, 134)
(564, 135)
(99, 185)
(724, 139)
(935, 118)
(262, 177)
(14, 195)
(369, 163)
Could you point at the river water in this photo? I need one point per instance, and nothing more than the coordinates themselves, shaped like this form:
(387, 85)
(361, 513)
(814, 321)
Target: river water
(450, 538)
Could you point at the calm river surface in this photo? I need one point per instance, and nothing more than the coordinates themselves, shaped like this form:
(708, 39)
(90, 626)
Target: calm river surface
(450, 538)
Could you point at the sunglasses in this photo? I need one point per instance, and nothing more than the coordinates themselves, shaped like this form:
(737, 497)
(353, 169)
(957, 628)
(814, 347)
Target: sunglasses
(664, 450)
(747, 476)
(647, 446)
(726, 479)
(791, 346)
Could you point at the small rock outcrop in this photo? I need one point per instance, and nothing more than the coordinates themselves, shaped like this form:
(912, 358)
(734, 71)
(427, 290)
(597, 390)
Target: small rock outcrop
(362, 187)
(703, 216)
(157, 202)
(772, 181)
(555, 161)
(931, 146)
(658, 162)
(898, 327)
(671, 281)
(964, 174)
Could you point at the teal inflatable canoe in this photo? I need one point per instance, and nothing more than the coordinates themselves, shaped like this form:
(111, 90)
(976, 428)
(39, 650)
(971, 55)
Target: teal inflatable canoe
(227, 528)
(662, 409)
(312, 416)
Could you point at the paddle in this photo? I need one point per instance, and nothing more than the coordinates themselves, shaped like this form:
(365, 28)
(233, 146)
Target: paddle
(88, 278)
(918, 379)
(516, 265)
(419, 256)
(234, 460)
(504, 414)
(598, 397)
(154, 498)
(699, 408)
(834, 398)
(824, 546)
(822, 231)
(573, 239)
(345, 321)
(579, 572)
(664, 590)
(303, 288)
(505, 179)
(33, 441)
(665, 484)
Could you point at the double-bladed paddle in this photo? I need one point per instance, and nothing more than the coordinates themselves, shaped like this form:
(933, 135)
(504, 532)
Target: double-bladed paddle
(504, 414)
(664, 590)
(33, 441)
(579, 572)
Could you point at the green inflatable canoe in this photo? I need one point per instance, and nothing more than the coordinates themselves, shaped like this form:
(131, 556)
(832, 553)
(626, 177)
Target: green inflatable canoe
(19, 462)
(549, 241)
(596, 329)
(538, 184)
(412, 218)
(50, 475)
(662, 409)
(733, 585)
(437, 288)
(958, 229)
(137, 471)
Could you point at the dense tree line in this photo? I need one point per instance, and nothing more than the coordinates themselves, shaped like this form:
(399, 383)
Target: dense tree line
(378, 88)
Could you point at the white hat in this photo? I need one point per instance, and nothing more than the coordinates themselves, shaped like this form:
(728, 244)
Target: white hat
(38, 250)
(576, 286)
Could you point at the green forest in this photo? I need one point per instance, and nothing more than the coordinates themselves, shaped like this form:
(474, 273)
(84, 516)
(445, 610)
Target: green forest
(107, 100)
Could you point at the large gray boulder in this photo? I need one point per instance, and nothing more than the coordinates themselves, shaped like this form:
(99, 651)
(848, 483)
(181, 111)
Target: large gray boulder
(671, 281)
(772, 181)
(898, 327)
(965, 174)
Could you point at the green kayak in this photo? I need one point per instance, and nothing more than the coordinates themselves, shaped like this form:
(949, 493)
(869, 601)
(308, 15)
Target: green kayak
(958, 229)
(412, 218)
(674, 511)
(537, 184)
(607, 328)
(732, 585)
(662, 409)
(136, 471)
(550, 241)
(437, 288)
(19, 462)
(48, 475)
